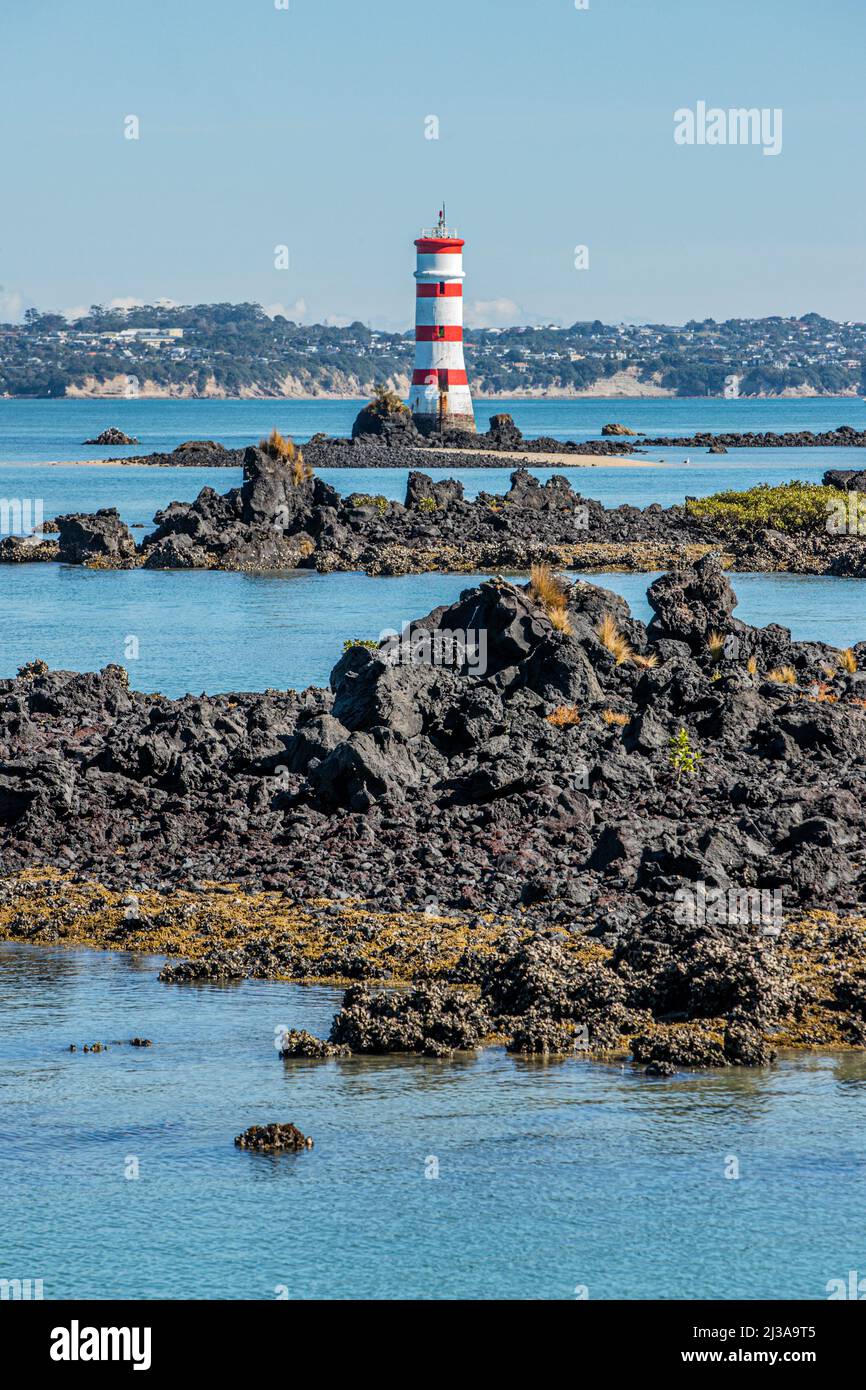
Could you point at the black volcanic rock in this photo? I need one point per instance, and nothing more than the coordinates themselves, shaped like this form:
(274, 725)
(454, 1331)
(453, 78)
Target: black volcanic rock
(846, 479)
(387, 420)
(284, 517)
(458, 783)
(274, 1138)
(262, 525)
(454, 756)
(112, 436)
(425, 495)
(100, 538)
(689, 604)
(504, 433)
(843, 437)
(432, 1019)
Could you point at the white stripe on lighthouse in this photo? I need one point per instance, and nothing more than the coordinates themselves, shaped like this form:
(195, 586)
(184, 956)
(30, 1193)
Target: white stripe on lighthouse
(446, 266)
(448, 311)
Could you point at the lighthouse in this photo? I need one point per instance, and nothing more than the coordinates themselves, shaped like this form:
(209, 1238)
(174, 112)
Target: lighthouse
(440, 396)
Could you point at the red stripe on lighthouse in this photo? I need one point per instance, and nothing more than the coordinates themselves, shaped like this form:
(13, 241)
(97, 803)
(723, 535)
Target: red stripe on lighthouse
(442, 247)
(445, 376)
(438, 333)
(442, 289)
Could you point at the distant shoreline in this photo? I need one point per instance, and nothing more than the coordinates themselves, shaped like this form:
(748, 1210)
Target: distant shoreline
(539, 394)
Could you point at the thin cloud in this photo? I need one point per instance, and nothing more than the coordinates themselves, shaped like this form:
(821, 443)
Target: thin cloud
(11, 306)
(493, 313)
(293, 312)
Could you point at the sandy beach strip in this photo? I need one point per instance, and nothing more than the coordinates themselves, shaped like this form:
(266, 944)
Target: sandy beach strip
(560, 460)
(509, 459)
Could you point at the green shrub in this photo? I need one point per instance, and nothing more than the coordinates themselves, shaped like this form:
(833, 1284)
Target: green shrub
(790, 506)
(364, 499)
(386, 404)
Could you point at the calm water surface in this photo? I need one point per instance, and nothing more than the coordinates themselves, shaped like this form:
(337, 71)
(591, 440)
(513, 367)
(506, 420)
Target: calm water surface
(45, 430)
(212, 631)
(551, 1175)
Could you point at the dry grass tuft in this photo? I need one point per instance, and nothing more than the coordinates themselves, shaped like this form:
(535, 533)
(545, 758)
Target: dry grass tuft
(564, 716)
(613, 641)
(848, 661)
(752, 665)
(276, 446)
(547, 588)
(560, 620)
(783, 675)
(647, 663)
(610, 716)
(716, 644)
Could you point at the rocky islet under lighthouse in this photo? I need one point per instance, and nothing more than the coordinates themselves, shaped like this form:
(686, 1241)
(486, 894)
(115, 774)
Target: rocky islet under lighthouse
(440, 397)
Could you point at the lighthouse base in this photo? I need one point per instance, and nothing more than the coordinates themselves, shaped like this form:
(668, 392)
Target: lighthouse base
(439, 424)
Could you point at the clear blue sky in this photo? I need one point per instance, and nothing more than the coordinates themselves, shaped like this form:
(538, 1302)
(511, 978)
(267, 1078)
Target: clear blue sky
(305, 127)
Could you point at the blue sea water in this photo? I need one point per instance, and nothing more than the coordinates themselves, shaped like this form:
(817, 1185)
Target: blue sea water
(139, 492)
(42, 431)
(39, 440)
(212, 631)
(552, 1175)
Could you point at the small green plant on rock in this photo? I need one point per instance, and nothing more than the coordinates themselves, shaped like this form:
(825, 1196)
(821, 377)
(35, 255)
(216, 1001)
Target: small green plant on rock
(682, 757)
(360, 642)
(364, 499)
(386, 404)
(427, 504)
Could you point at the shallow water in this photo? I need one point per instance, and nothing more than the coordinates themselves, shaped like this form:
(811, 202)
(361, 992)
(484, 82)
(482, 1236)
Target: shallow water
(551, 1175)
(35, 432)
(139, 492)
(213, 631)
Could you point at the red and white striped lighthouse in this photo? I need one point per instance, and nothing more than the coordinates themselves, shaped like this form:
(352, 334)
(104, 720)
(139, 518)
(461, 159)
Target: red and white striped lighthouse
(440, 396)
